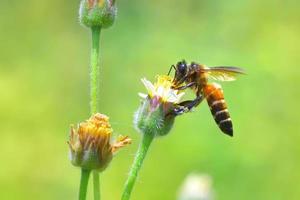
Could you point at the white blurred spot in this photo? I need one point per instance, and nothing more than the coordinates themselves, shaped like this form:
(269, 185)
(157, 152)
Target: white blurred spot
(196, 187)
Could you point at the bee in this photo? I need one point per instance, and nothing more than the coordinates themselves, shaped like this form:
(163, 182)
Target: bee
(195, 76)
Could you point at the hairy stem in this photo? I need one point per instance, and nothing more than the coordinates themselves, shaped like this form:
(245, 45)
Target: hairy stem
(96, 181)
(85, 174)
(137, 164)
(94, 74)
(94, 90)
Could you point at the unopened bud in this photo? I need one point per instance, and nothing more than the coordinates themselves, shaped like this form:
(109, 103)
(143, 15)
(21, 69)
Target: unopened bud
(97, 13)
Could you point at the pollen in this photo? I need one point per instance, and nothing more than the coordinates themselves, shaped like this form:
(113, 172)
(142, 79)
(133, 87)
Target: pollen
(163, 81)
(162, 89)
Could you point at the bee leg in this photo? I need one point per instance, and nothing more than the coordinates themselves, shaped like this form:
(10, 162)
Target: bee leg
(191, 104)
(182, 108)
(186, 86)
(179, 109)
(187, 106)
(172, 67)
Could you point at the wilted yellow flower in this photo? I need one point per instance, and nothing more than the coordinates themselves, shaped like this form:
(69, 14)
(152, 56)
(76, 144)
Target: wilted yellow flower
(90, 145)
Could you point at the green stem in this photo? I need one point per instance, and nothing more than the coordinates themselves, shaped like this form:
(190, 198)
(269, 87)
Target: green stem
(96, 181)
(95, 69)
(94, 85)
(137, 164)
(85, 174)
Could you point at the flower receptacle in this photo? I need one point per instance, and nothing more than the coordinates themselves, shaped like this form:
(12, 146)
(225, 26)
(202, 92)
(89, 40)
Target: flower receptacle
(152, 117)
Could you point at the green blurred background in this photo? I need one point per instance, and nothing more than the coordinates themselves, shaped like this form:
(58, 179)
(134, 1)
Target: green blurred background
(44, 58)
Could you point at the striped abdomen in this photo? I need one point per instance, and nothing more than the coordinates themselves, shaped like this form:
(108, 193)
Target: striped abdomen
(215, 99)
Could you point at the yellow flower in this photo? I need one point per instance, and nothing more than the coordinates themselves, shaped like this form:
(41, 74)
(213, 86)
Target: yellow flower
(90, 145)
(162, 89)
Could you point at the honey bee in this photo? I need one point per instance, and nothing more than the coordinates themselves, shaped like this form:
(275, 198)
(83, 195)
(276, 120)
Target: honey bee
(195, 76)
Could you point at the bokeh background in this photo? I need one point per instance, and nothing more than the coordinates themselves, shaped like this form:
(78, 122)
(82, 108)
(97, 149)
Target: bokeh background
(44, 59)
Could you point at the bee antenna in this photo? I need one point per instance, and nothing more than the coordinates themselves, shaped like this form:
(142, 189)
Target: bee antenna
(172, 67)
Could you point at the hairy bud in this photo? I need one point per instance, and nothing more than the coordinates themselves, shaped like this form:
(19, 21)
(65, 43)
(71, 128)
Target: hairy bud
(97, 13)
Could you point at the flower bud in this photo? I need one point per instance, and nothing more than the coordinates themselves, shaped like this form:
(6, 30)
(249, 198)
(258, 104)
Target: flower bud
(90, 146)
(155, 114)
(97, 13)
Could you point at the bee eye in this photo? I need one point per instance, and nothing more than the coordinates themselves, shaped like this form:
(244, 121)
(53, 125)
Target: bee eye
(181, 67)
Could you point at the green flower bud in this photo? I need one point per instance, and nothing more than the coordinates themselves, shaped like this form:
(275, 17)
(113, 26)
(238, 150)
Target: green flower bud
(97, 13)
(155, 114)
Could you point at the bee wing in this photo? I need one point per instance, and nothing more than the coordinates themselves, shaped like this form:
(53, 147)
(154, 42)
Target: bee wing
(223, 73)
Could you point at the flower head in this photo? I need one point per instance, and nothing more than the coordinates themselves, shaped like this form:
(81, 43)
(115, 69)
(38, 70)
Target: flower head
(162, 90)
(156, 113)
(90, 145)
(97, 13)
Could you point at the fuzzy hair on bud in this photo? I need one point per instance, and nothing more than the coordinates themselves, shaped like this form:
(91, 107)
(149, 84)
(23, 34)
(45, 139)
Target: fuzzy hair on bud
(151, 117)
(97, 13)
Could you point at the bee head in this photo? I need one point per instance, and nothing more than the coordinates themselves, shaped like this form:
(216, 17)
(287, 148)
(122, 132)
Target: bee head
(181, 72)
